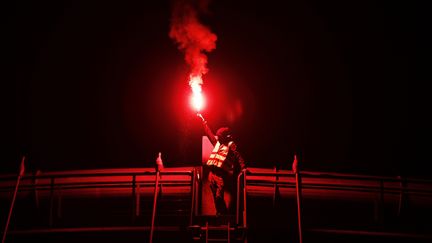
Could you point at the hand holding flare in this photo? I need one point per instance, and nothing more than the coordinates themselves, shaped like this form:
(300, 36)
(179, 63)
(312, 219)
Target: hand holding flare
(202, 118)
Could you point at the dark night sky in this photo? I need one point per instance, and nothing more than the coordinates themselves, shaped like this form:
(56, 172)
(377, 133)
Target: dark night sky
(101, 85)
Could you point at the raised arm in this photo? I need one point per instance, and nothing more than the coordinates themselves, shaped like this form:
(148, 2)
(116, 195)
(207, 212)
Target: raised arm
(207, 130)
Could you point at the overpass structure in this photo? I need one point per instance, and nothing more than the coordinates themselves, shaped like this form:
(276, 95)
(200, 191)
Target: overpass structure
(144, 205)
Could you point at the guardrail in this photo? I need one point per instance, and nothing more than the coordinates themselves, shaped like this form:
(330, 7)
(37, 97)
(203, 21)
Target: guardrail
(70, 182)
(147, 181)
(318, 181)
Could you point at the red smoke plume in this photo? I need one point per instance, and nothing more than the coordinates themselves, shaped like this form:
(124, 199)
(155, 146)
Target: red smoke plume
(192, 37)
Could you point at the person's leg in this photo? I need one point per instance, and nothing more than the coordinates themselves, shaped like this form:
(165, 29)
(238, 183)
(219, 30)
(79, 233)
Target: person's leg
(217, 188)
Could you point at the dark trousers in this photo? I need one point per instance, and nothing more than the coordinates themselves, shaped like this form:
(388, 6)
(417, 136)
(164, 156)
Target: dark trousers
(216, 180)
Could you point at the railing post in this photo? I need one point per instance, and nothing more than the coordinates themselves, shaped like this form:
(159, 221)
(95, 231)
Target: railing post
(154, 205)
(244, 205)
(20, 174)
(193, 189)
(299, 197)
(381, 201)
(51, 212)
(229, 232)
(402, 195)
(198, 190)
(276, 186)
(35, 188)
(59, 203)
(238, 198)
(133, 196)
(206, 232)
(244, 200)
(138, 201)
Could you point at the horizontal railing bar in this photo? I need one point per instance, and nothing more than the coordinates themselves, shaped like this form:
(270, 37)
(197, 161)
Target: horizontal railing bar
(372, 233)
(96, 229)
(102, 174)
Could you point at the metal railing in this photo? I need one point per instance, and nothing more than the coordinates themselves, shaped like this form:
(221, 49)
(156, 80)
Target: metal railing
(332, 181)
(50, 183)
(55, 182)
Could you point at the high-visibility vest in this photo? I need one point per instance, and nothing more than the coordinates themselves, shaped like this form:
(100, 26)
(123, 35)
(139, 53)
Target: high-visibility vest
(218, 156)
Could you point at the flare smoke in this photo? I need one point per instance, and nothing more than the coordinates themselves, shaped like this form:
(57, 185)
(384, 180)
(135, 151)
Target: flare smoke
(193, 38)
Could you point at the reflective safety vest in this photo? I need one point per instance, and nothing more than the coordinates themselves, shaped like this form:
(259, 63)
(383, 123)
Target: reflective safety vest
(218, 155)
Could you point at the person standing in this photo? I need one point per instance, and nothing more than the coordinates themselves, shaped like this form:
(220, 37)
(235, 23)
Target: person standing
(223, 161)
